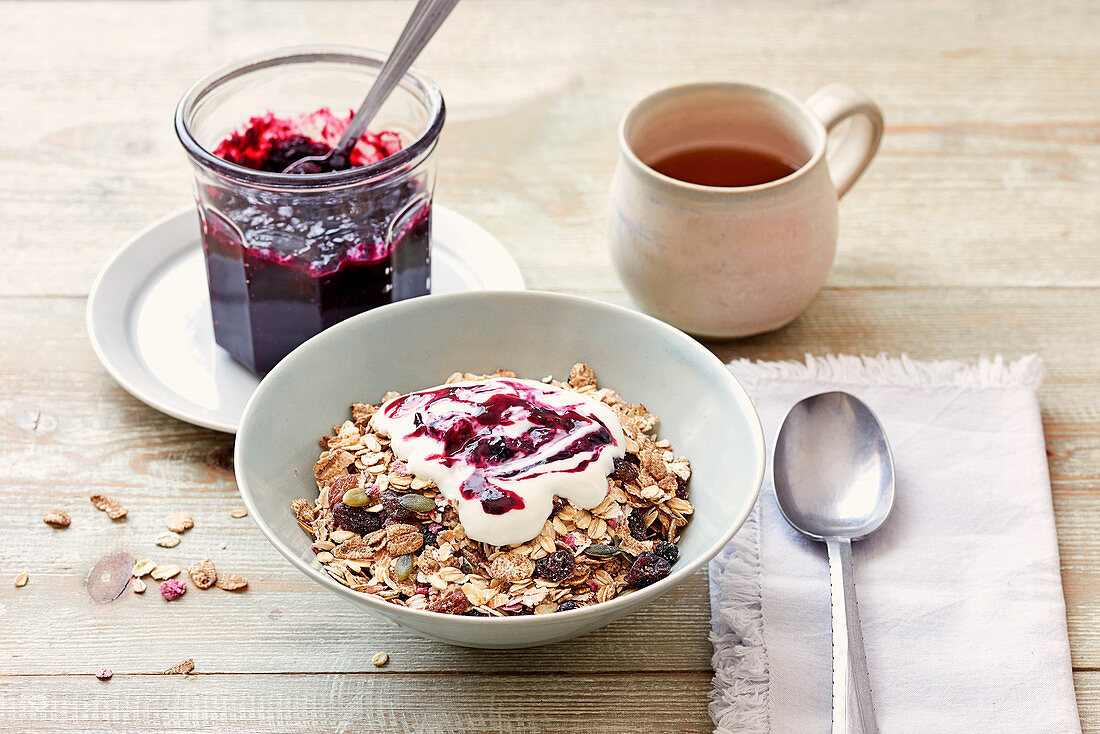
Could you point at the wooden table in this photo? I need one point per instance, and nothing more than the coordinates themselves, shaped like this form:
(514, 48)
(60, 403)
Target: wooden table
(974, 232)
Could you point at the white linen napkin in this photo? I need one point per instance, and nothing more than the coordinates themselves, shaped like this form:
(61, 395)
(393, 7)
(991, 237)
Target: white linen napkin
(960, 591)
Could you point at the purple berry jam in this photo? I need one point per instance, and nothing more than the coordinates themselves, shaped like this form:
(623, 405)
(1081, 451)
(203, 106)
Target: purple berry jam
(284, 265)
(472, 424)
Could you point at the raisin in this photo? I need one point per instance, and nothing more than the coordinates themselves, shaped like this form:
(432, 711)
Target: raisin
(668, 551)
(474, 613)
(454, 603)
(681, 488)
(646, 569)
(391, 501)
(565, 606)
(558, 566)
(636, 523)
(430, 537)
(624, 471)
(356, 519)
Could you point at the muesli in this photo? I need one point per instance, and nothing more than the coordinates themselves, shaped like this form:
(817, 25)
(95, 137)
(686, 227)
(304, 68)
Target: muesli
(381, 529)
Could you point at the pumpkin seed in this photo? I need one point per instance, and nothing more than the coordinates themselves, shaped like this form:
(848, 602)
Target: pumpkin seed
(417, 503)
(403, 567)
(356, 497)
(601, 551)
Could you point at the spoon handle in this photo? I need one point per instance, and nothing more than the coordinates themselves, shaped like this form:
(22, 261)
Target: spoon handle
(425, 20)
(853, 707)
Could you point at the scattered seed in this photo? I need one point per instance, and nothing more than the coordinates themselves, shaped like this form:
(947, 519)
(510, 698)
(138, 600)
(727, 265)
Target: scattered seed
(239, 513)
(142, 568)
(403, 567)
(168, 540)
(138, 586)
(380, 659)
(181, 668)
(160, 573)
(57, 517)
(104, 674)
(21, 580)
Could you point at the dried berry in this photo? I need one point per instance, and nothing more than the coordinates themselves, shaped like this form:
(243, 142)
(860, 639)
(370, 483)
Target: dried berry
(639, 530)
(356, 519)
(474, 613)
(624, 471)
(104, 674)
(431, 537)
(172, 589)
(668, 551)
(454, 603)
(558, 566)
(681, 488)
(417, 503)
(566, 606)
(647, 569)
(391, 501)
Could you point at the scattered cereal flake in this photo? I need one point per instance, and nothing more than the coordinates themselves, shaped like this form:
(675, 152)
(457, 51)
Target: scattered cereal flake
(104, 674)
(302, 509)
(179, 522)
(164, 572)
(21, 580)
(57, 517)
(511, 567)
(231, 582)
(114, 510)
(172, 589)
(239, 513)
(582, 376)
(203, 573)
(138, 586)
(380, 659)
(181, 668)
(168, 540)
(142, 568)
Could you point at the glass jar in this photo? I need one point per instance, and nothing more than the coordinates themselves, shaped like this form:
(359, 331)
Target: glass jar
(288, 255)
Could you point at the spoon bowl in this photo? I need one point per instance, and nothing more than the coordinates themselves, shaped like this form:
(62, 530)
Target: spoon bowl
(834, 472)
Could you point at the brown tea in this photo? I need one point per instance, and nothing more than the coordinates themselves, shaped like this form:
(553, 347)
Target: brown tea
(723, 165)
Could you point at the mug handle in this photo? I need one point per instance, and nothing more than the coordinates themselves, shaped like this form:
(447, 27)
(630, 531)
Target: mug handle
(832, 105)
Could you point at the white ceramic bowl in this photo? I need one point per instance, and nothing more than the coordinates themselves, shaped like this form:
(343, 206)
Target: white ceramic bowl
(417, 343)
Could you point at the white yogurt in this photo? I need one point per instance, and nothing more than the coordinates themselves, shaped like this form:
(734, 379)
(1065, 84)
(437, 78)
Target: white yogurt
(500, 450)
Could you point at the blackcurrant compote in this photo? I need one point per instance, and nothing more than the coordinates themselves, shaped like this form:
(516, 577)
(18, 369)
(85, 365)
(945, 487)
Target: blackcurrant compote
(289, 255)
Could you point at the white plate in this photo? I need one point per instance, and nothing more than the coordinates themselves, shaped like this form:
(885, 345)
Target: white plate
(149, 313)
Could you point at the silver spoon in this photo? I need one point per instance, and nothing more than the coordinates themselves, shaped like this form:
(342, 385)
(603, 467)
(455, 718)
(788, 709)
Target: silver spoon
(426, 18)
(834, 480)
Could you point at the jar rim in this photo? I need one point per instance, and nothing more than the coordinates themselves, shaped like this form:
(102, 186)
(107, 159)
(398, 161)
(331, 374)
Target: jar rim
(420, 146)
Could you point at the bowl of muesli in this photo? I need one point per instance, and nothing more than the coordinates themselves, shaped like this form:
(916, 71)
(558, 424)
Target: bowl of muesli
(500, 470)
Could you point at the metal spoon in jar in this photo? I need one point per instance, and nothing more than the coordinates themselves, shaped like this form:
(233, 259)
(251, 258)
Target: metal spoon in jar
(834, 480)
(426, 18)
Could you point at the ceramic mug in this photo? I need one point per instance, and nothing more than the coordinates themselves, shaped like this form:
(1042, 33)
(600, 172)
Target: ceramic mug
(724, 262)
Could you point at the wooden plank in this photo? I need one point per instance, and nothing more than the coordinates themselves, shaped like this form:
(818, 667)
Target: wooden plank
(373, 701)
(380, 701)
(977, 183)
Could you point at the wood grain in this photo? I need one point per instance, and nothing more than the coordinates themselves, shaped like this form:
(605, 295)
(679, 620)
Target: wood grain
(973, 233)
